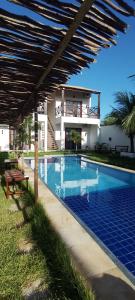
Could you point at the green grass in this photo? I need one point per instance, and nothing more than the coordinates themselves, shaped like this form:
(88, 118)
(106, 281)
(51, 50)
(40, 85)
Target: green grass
(113, 159)
(49, 260)
(16, 270)
(64, 152)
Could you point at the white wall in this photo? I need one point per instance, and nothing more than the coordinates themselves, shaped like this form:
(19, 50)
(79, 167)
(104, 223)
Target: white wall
(89, 134)
(58, 135)
(4, 138)
(42, 135)
(51, 112)
(93, 136)
(118, 137)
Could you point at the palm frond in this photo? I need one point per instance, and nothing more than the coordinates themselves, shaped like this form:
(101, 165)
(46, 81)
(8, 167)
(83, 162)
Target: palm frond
(128, 123)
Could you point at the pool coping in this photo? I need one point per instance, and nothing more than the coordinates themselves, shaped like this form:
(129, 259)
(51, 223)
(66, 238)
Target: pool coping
(88, 158)
(95, 263)
(107, 165)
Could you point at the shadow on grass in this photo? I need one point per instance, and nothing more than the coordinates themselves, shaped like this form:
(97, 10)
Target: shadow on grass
(65, 282)
(22, 201)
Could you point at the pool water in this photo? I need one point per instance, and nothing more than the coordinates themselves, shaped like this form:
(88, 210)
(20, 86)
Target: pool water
(101, 198)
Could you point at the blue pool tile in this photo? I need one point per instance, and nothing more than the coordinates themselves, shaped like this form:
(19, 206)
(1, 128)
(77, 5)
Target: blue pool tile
(102, 198)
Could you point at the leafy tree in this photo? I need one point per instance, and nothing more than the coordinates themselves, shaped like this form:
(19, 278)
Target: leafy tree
(124, 114)
(108, 121)
(76, 138)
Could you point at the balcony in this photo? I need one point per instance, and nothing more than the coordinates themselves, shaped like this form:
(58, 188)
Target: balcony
(42, 109)
(78, 111)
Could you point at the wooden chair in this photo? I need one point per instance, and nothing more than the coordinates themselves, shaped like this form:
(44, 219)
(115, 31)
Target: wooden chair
(13, 177)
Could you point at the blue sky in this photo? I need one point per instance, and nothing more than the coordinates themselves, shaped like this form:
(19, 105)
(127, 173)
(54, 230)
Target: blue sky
(110, 73)
(114, 65)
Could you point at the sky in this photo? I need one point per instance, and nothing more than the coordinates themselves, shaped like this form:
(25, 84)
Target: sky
(110, 73)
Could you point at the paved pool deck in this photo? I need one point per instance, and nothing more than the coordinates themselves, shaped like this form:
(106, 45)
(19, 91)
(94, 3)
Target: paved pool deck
(98, 269)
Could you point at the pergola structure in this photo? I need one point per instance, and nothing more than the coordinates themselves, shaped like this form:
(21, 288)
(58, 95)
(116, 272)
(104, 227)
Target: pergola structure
(36, 57)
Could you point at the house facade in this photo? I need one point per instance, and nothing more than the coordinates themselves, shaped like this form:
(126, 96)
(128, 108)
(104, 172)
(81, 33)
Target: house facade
(4, 138)
(75, 109)
(69, 109)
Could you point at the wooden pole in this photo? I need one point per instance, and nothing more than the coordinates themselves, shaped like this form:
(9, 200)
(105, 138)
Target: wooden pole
(36, 156)
(63, 102)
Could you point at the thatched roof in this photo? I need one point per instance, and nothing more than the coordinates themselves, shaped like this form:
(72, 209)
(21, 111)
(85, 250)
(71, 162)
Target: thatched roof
(37, 57)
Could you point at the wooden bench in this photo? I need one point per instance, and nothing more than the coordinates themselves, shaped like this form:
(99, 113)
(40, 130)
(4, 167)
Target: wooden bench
(11, 163)
(12, 177)
(119, 148)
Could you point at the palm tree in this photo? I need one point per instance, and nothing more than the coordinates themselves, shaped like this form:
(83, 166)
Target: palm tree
(128, 125)
(76, 138)
(124, 114)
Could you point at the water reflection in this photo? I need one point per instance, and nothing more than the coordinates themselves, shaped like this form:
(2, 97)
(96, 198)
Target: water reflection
(67, 176)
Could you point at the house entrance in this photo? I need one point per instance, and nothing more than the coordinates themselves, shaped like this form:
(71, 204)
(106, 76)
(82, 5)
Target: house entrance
(69, 143)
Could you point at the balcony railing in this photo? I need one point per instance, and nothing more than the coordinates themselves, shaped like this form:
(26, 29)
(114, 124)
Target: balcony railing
(79, 111)
(42, 109)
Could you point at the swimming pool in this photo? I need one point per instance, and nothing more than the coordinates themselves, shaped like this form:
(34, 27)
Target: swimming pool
(102, 199)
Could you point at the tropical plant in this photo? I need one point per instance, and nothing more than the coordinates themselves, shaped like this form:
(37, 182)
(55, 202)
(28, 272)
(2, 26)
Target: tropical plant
(128, 125)
(23, 133)
(124, 114)
(76, 138)
(108, 121)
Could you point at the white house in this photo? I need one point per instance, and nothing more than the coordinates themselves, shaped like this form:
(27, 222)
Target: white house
(73, 108)
(4, 138)
(70, 108)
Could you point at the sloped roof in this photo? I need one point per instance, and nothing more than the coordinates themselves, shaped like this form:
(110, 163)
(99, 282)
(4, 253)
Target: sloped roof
(78, 88)
(37, 57)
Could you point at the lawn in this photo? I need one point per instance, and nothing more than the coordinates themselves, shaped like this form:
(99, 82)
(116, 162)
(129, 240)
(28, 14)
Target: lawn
(48, 261)
(112, 159)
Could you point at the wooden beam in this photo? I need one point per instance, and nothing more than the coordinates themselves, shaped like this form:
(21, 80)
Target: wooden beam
(84, 8)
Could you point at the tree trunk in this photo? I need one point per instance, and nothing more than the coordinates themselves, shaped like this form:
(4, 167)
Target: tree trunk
(131, 136)
(29, 139)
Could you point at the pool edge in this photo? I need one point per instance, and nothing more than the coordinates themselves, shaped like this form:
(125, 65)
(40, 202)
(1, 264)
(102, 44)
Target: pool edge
(60, 225)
